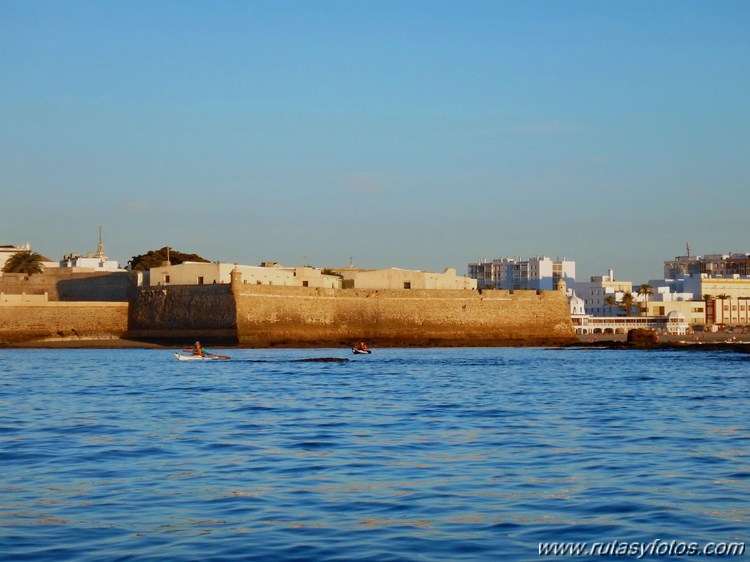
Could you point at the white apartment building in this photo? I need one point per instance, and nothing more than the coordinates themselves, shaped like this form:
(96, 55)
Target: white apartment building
(8, 250)
(536, 273)
(672, 322)
(97, 262)
(596, 291)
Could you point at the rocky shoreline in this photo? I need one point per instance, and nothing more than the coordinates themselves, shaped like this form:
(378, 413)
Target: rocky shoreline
(714, 343)
(706, 341)
(740, 347)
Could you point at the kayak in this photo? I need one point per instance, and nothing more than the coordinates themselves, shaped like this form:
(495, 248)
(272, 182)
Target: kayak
(206, 357)
(357, 351)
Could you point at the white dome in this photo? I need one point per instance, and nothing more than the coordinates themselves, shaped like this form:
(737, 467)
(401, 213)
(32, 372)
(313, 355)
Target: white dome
(577, 305)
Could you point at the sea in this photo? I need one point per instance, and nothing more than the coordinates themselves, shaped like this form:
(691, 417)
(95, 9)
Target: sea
(440, 454)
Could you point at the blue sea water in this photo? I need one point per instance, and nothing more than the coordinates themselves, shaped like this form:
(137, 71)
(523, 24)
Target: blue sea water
(403, 455)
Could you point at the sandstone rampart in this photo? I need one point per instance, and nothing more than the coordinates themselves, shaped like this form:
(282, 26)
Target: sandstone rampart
(62, 322)
(68, 284)
(268, 316)
(183, 311)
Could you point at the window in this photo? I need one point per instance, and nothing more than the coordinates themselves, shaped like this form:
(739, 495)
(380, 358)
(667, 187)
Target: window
(166, 279)
(305, 283)
(407, 284)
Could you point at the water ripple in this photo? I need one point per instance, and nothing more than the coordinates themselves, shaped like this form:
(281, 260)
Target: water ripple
(440, 454)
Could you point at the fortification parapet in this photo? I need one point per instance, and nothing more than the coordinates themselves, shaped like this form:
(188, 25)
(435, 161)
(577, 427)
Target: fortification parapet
(55, 322)
(268, 315)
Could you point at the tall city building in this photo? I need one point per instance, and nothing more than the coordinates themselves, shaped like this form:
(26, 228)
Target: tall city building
(713, 265)
(537, 273)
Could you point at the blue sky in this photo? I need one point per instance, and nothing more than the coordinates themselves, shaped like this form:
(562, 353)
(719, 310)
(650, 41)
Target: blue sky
(412, 134)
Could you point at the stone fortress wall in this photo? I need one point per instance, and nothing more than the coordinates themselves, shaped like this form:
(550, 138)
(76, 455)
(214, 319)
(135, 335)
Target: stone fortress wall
(262, 315)
(66, 284)
(188, 312)
(53, 322)
(268, 316)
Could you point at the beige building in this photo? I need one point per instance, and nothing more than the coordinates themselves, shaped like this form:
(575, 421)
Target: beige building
(723, 300)
(207, 273)
(271, 273)
(727, 301)
(694, 312)
(405, 279)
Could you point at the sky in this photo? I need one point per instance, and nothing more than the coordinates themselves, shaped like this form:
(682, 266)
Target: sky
(419, 134)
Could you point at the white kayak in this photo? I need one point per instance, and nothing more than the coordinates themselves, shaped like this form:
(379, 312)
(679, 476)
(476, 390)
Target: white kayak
(357, 351)
(206, 357)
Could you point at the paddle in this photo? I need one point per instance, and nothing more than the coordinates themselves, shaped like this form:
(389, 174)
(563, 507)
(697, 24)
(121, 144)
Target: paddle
(205, 353)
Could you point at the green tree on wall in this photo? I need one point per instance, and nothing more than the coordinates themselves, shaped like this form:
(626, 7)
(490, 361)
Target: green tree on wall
(326, 271)
(156, 258)
(27, 262)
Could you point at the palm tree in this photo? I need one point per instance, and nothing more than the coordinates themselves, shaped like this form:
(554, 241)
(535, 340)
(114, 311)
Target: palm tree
(626, 303)
(709, 299)
(646, 291)
(26, 261)
(611, 302)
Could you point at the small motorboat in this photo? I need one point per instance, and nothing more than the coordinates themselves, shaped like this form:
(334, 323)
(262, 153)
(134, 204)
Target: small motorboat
(204, 357)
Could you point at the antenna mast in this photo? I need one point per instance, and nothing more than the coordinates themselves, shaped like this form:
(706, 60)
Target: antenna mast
(100, 247)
